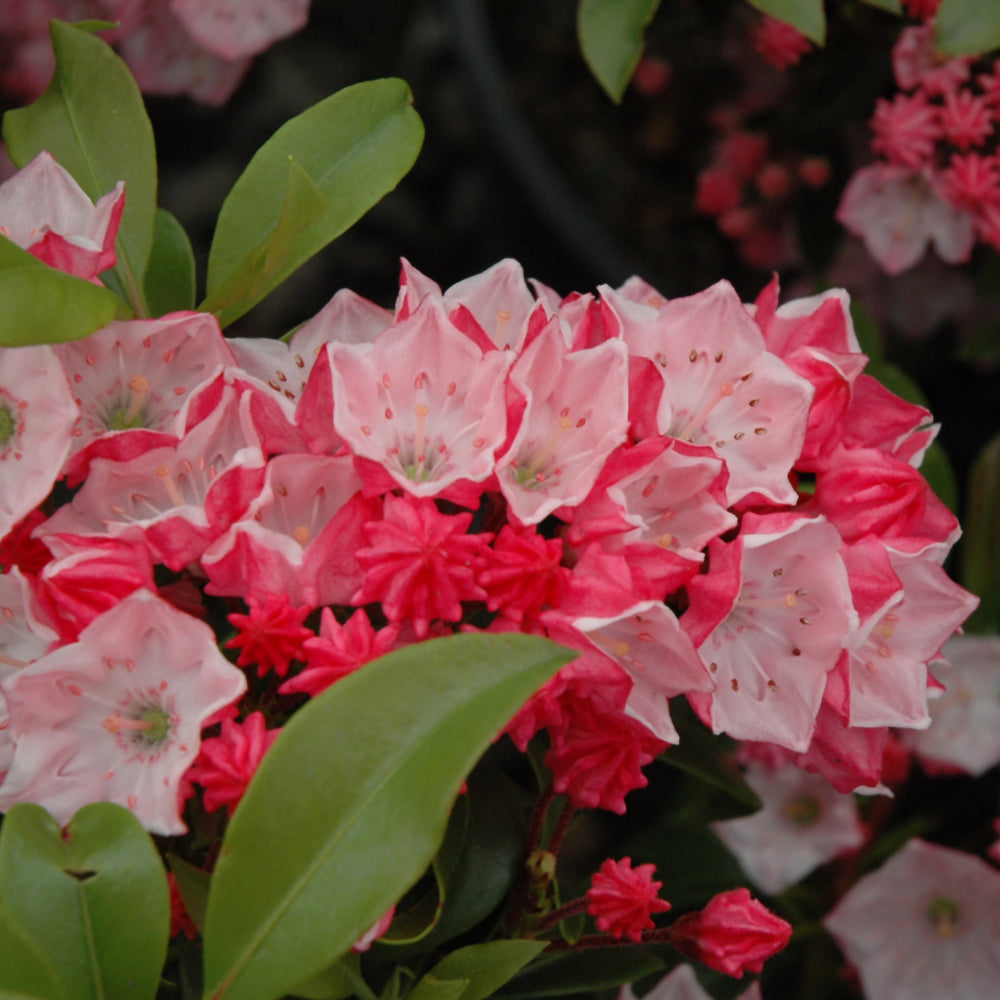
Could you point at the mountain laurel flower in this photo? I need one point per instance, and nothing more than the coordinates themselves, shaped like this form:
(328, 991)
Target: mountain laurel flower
(682, 984)
(623, 899)
(272, 635)
(734, 933)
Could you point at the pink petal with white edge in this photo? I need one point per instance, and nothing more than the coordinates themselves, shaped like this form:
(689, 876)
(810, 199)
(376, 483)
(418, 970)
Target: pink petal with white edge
(422, 401)
(45, 211)
(132, 379)
(298, 537)
(37, 414)
(650, 645)
(234, 29)
(576, 414)
(117, 715)
(784, 633)
(499, 300)
(722, 388)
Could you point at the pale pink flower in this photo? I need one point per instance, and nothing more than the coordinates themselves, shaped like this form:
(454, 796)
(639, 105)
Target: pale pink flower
(897, 212)
(37, 414)
(771, 619)
(234, 29)
(965, 717)
(682, 984)
(45, 211)
(804, 823)
(575, 415)
(916, 61)
(925, 925)
(117, 715)
(498, 300)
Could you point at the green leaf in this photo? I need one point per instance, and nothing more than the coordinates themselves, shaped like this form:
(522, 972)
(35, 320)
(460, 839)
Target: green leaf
(92, 120)
(867, 332)
(806, 15)
(193, 885)
(937, 470)
(170, 276)
(967, 27)
(93, 896)
(349, 806)
(24, 969)
(44, 306)
(354, 147)
(340, 980)
(981, 542)
(568, 974)
(892, 6)
(611, 39)
(481, 968)
(265, 266)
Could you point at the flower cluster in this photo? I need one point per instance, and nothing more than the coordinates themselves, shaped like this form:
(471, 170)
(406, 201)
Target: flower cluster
(703, 498)
(194, 47)
(937, 177)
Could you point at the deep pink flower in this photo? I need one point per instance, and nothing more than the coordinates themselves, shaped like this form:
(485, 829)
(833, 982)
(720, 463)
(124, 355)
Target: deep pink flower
(623, 899)
(966, 119)
(339, 650)
(779, 44)
(718, 191)
(523, 575)
(271, 635)
(917, 63)
(906, 129)
(971, 180)
(180, 919)
(420, 563)
(733, 934)
(226, 763)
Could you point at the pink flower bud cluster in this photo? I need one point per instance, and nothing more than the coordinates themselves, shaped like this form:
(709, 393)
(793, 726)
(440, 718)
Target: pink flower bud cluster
(705, 499)
(201, 48)
(937, 176)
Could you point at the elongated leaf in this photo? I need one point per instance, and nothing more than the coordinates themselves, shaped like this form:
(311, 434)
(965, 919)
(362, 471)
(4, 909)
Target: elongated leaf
(170, 276)
(92, 120)
(967, 27)
(981, 542)
(806, 15)
(192, 884)
(41, 305)
(95, 898)
(611, 39)
(583, 972)
(350, 805)
(481, 968)
(24, 970)
(355, 147)
(271, 261)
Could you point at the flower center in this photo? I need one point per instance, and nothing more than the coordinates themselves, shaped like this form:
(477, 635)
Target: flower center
(7, 425)
(803, 811)
(943, 914)
(150, 726)
(131, 413)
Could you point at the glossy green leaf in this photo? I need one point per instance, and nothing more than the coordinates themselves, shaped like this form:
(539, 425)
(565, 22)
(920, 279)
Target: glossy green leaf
(981, 541)
(44, 306)
(93, 896)
(481, 969)
(432, 988)
(806, 15)
(967, 27)
(354, 147)
(340, 980)
(611, 39)
(193, 885)
(349, 806)
(271, 261)
(92, 120)
(569, 974)
(892, 6)
(24, 969)
(170, 276)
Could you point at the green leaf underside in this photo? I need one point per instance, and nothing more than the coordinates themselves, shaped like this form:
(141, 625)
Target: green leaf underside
(365, 772)
(94, 899)
(611, 39)
(265, 266)
(967, 27)
(170, 276)
(44, 306)
(805, 15)
(355, 147)
(91, 118)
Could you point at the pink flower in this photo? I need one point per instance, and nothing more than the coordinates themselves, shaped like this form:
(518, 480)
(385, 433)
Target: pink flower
(227, 762)
(234, 29)
(924, 925)
(272, 635)
(971, 180)
(966, 119)
(523, 575)
(682, 984)
(897, 212)
(45, 211)
(917, 63)
(733, 934)
(718, 191)
(804, 823)
(906, 129)
(779, 43)
(420, 563)
(623, 899)
(117, 715)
